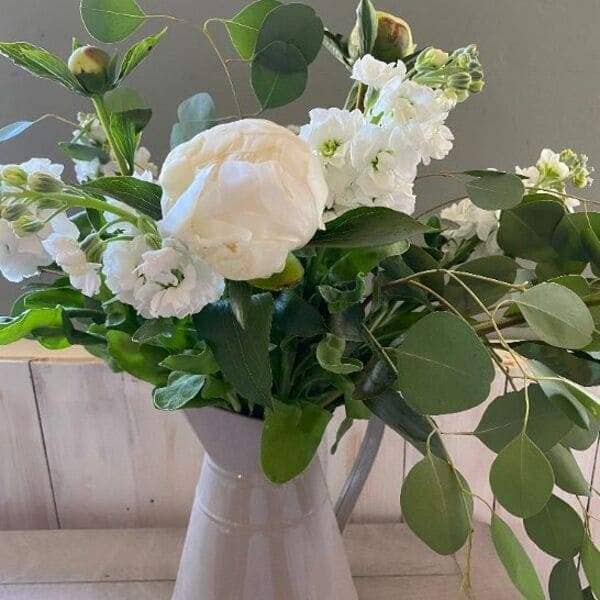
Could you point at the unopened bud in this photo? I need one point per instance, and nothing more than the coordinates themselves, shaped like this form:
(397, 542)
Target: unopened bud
(459, 81)
(431, 58)
(13, 175)
(13, 211)
(292, 273)
(90, 65)
(43, 183)
(26, 225)
(476, 86)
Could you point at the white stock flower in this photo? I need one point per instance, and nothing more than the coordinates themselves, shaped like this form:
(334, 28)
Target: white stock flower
(145, 169)
(242, 196)
(21, 257)
(375, 73)
(431, 139)
(68, 255)
(86, 170)
(168, 282)
(471, 221)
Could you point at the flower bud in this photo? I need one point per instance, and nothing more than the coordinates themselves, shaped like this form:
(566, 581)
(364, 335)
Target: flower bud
(431, 58)
(476, 86)
(13, 175)
(13, 210)
(26, 225)
(459, 81)
(292, 274)
(90, 65)
(43, 183)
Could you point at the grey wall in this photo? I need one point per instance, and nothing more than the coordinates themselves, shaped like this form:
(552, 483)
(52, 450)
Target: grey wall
(541, 56)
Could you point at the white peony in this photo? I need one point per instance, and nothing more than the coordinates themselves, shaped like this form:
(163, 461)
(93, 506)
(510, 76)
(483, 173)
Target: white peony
(242, 196)
(375, 73)
(67, 254)
(168, 282)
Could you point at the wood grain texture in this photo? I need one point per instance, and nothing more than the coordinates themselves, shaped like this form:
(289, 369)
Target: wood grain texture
(26, 500)
(118, 564)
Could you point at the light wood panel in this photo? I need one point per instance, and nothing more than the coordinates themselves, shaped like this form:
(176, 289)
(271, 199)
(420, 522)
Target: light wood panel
(26, 500)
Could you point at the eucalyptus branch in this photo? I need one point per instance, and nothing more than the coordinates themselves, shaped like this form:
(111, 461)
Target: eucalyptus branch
(438, 297)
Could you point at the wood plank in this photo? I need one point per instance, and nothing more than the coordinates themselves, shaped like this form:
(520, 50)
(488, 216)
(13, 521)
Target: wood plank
(26, 500)
(115, 460)
(440, 587)
(159, 590)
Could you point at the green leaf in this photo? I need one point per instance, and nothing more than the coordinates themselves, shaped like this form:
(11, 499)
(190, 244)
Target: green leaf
(182, 388)
(440, 517)
(496, 192)
(41, 63)
(295, 25)
(12, 330)
(363, 260)
(420, 260)
(393, 410)
(502, 420)
(138, 53)
(83, 152)
(557, 315)
(591, 245)
(567, 473)
(111, 21)
(244, 27)
(14, 129)
(367, 227)
(330, 355)
(290, 439)
(339, 300)
(580, 368)
(590, 559)
(195, 115)
(279, 74)
(526, 231)
(368, 24)
(140, 195)
(296, 317)
(517, 563)
(567, 239)
(564, 582)
(139, 360)
(556, 529)
(521, 478)
(443, 366)
(195, 362)
(495, 267)
(582, 439)
(242, 354)
(52, 297)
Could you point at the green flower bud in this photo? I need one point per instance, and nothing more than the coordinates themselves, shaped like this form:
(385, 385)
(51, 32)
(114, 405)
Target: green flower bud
(394, 39)
(49, 204)
(43, 183)
(13, 175)
(431, 58)
(26, 225)
(459, 81)
(13, 210)
(476, 86)
(90, 65)
(292, 274)
(569, 157)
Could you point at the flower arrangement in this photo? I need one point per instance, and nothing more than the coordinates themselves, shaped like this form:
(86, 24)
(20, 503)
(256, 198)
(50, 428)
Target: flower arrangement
(281, 272)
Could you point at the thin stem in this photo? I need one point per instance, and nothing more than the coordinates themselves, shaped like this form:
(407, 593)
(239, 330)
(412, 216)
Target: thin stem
(104, 118)
(438, 297)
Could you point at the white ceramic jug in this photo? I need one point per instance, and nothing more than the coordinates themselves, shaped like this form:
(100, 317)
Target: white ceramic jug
(249, 539)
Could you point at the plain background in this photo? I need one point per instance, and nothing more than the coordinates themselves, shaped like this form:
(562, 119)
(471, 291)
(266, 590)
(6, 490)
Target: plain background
(541, 58)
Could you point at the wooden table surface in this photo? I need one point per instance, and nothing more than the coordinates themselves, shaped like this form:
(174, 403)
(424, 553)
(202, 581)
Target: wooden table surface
(387, 561)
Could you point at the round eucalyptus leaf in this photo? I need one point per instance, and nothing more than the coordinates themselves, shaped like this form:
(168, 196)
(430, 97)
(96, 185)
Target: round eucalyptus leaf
(443, 366)
(527, 230)
(567, 239)
(564, 582)
(567, 473)
(243, 29)
(582, 439)
(14, 129)
(521, 478)
(502, 420)
(590, 559)
(434, 505)
(556, 529)
(111, 21)
(517, 563)
(279, 74)
(557, 315)
(496, 192)
(295, 24)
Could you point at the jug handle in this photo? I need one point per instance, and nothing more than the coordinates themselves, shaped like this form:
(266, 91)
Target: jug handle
(361, 469)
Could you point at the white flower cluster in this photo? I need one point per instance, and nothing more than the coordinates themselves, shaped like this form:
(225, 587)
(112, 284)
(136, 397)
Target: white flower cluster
(550, 174)
(371, 159)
